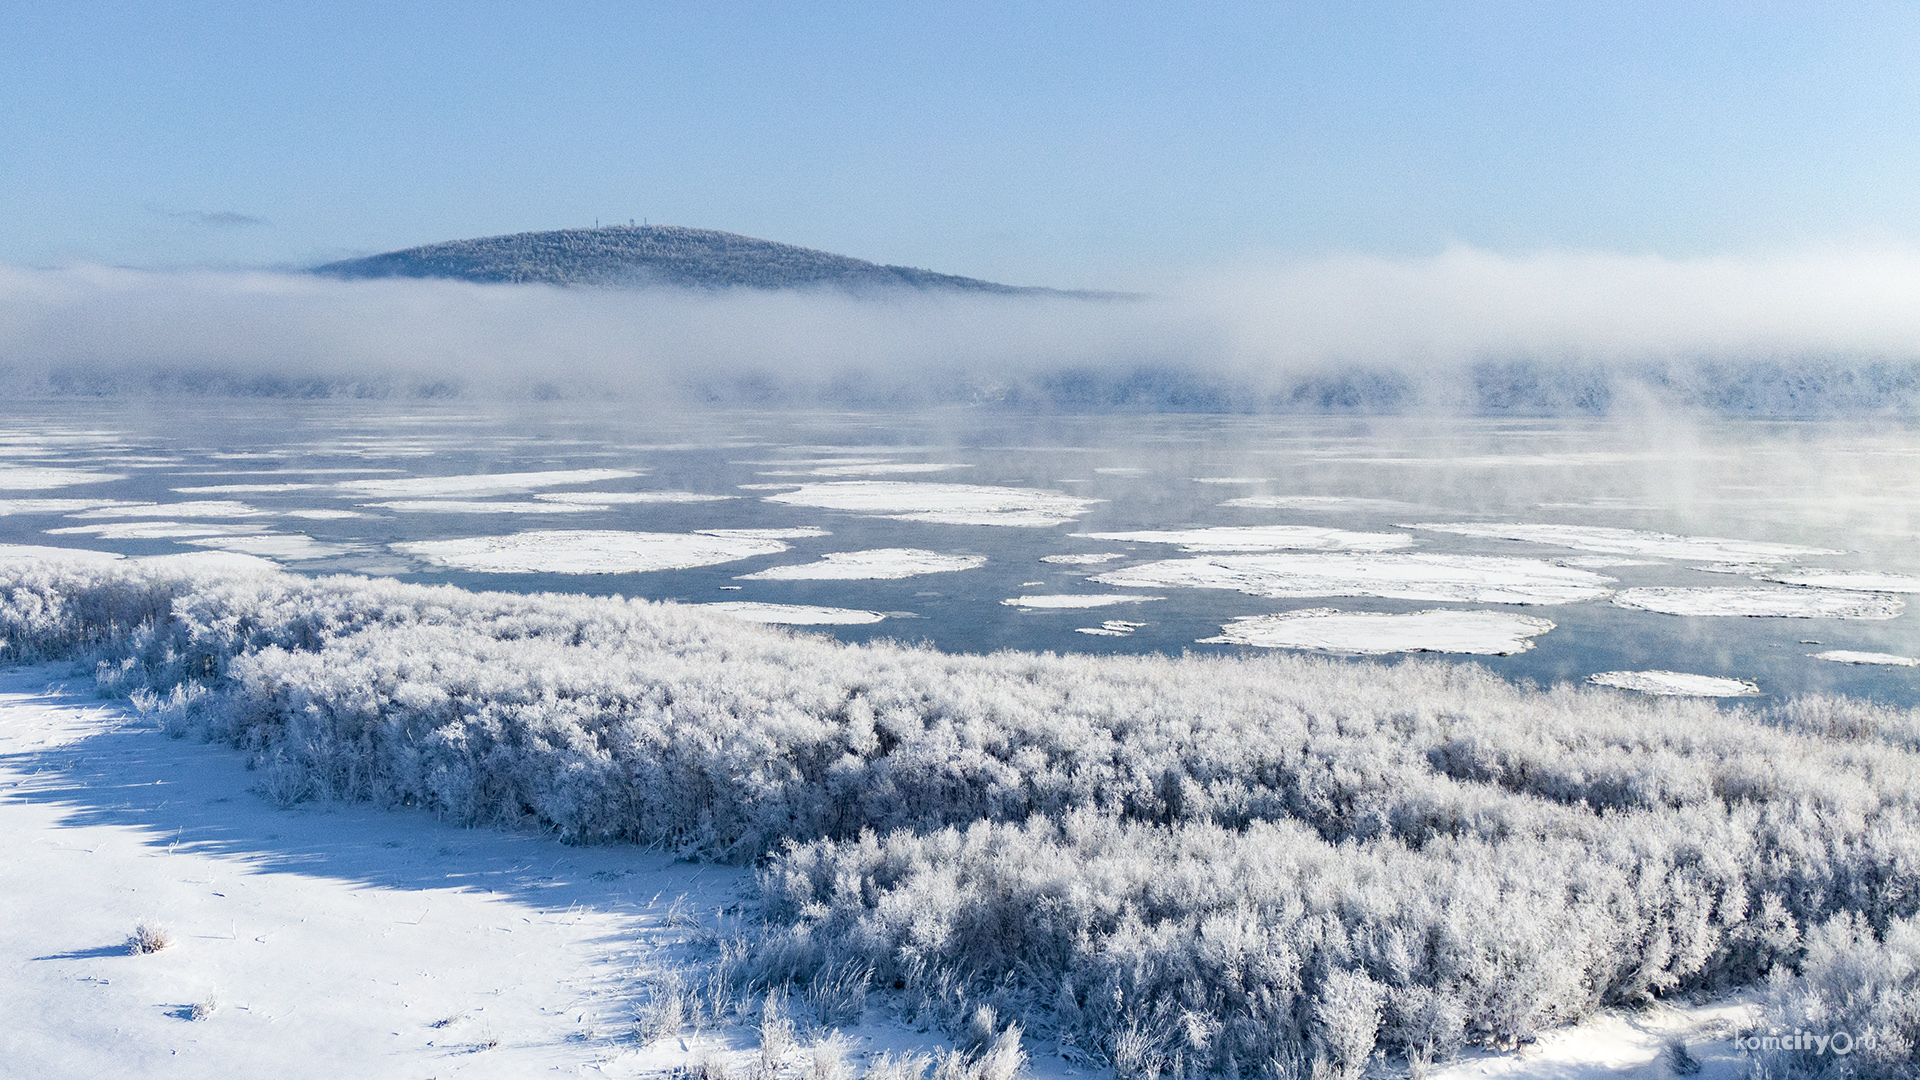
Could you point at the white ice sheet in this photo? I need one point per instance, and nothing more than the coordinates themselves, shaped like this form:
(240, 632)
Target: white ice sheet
(1674, 684)
(1763, 603)
(1260, 538)
(1629, 541)
(879, 564)
(564, 551)
(946, 504)
(1470, 579)
(1485, 633)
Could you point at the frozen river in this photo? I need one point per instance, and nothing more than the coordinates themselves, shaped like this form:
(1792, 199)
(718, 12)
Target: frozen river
(1752, 557)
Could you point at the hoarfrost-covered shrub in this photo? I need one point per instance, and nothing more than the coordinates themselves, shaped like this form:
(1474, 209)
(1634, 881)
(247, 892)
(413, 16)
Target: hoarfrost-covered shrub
(1265, 865)
(1854, 1010)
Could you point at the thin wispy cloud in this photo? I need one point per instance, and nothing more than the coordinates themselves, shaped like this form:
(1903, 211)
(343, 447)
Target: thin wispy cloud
(212, 219)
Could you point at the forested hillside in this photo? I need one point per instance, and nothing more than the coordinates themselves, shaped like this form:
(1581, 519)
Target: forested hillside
(634, 256)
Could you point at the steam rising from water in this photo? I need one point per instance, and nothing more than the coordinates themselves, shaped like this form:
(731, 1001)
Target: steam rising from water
(1547, 333)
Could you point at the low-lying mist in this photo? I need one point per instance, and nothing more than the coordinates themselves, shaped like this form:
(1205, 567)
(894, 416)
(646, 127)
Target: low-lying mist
(1464, 331)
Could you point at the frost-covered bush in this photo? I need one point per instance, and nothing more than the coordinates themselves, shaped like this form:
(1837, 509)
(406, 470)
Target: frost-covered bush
(1184, 865)
(1854, 1010)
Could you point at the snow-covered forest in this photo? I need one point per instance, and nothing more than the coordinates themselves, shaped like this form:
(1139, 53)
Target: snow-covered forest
(1191, 866)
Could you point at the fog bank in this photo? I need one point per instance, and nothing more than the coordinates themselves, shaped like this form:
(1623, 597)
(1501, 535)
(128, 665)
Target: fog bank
(1466, 330)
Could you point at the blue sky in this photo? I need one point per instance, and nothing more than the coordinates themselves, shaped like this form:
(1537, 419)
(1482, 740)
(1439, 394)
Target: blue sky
(1071, 144)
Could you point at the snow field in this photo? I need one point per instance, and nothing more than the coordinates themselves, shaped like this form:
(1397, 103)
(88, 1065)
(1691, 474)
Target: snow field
(1224, 860)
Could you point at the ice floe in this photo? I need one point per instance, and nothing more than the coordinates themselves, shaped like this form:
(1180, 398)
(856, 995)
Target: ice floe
(472, 506)
(1315, 502)
(1260, 538)
(620, 497)
(1847, 656)
(1074, 602)
(42, 477)
(1485, 633)
(588, 551)
(53, 506)
(292, 547)
(943, 504)
(886, 468)
(211, 508)
(1111, 628)
(792, 614)
(37, 553)
(1629, 541)
(323, 515)
(485, 484)
(1469, 579)
(804, 532)
(1601, 562)
(1093, 559)
(875, 565)
(244, 489)
(1674, 684)
(156, 530)
(1855, 580)
(1763, 603)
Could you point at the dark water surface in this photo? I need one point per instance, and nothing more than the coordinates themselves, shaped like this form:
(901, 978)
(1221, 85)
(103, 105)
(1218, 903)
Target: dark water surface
(1843, 485)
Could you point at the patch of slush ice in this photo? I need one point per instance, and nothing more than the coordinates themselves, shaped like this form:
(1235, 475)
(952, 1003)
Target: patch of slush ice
(1260, 538)
(561, 551)
(618, 497)
(1763, 603)
(53, 506)
(460, 506)
(942, 504)
(224, 562)
(213, 508)
(1674, 684)
(1601, 562)
(1075, 602)
(887, 468)
(1847, 656)
(1856, 580)
(1484, 633)
(156, 530)
(1747, 568)
(323, 515)
(1083, 560)
(1111, 628)
(880, 564)
(1315, 502)
(1465, 579)
(804, 532)
(244, 489)
(792, 614)
(1230, 480)
(292, 547)
(1630, 541)
(37, 553)
(487, 484)
(40, 477)
(1121, 470)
